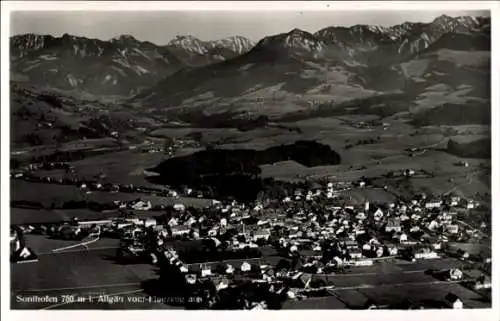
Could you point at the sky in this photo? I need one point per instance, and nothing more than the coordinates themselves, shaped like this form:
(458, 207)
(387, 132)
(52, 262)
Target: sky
(161, 27)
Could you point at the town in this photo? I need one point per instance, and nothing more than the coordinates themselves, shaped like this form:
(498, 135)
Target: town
(291, 248)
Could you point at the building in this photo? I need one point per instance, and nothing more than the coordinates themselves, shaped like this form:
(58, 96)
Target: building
(454, 301)
(393, 225)
(179, 207)
(403, 217)
(350, 244)
(359, 231)
(361, 216)
(433, 225)
(425, 253)
(173, 222)
(245, 267)
(356, 254)
(261, 234)
(482, 282)
(205, 270)
(455, 274)
(433, 204)
(452, 228)
(180, 230)
(455, 200)
(446, 217)
(437, 246)
(362, 262)
(414, 229)
(142, 206)
(409, 172)
(149, 222)
(392, 250)
(378, 214)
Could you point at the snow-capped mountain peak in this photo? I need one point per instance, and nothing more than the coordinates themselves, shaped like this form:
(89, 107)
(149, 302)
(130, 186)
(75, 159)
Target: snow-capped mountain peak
(237, 44)
(425, 35)
(442, 19)
(295, 39)
(127, 39)
(189, 43)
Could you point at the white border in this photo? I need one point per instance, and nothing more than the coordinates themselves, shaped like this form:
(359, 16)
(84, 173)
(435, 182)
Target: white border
(9, 6)
(247, 5)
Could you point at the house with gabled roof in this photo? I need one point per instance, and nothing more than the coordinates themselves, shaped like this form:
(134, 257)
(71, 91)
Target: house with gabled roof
(393, 225)
(452, 228)
(433, 204)
(454, 301)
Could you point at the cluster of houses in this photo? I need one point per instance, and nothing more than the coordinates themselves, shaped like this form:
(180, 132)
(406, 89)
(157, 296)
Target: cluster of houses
(26, 170)
(425, 224)
(98, 185)
(314, 222)
(312, 229)
(169, 149)
(346, 235)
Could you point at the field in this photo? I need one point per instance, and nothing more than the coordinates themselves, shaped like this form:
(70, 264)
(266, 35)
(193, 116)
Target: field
(35, 216)
(83, 273)
(47, 194)
(418, 292)
(208, 134)
(80, 273)
(472, 248)
(125, 167)
(323, 303)
(360, 196)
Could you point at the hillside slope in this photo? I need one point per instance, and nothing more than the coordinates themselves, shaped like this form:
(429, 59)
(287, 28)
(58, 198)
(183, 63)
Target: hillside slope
(48, 117)
(300, 72)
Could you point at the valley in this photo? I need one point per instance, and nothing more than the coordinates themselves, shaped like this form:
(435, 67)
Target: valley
(207, 137)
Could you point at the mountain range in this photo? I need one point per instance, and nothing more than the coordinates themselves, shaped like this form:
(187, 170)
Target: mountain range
(421, 65)
(447, 60)
(120, 66)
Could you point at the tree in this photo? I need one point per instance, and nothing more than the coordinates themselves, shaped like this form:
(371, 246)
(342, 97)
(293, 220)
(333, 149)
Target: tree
(261, 242)
(283, 265)
(220, 268)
